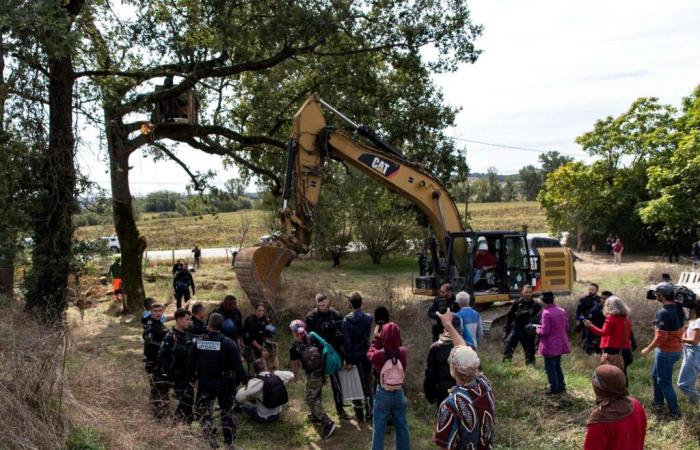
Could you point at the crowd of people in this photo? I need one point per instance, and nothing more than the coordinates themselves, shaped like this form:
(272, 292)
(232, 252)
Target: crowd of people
(234, 363)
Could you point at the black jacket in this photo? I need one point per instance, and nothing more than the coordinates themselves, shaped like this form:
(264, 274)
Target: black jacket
(174, 355)
(235, 316)
(177, 267)
(439, 302)
(357, 327)
(521, 314)
(328, 325)
(183, 281)
(585, 304)
(153, 336)
(216, 357)
(438, 380)
(198, 327)
(254, 330)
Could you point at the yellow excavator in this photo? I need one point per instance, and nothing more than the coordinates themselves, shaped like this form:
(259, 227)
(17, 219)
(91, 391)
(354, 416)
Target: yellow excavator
(455, 253)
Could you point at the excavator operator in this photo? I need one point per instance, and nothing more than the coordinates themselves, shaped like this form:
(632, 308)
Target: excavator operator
(484, 261)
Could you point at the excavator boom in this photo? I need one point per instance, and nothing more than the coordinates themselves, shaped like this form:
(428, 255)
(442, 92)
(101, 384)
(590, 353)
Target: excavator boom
(312, 143)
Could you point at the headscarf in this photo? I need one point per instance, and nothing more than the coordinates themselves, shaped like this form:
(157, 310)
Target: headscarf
(390, 337)
(612, 402)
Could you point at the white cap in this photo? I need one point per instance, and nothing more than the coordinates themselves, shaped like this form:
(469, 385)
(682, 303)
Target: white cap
(483, 246)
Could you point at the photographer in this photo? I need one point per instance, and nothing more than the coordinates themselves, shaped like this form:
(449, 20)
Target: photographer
(444, 301)
(667, 344)
(327, 322)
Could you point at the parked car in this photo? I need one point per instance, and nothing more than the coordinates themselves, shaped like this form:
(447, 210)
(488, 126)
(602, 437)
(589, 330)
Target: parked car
(112, 243)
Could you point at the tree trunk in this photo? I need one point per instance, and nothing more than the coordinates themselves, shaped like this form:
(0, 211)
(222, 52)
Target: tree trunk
(132, 244)
(46, 295)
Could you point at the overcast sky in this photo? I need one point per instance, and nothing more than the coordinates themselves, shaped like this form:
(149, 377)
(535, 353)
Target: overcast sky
(549, 69)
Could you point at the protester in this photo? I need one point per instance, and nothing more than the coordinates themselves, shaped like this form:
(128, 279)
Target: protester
(217, 366)
(524, 312)
(471, 320)
(617, 251)
(233, 319)
(667, 344)
(466, 417)
(554, 342)
(438, 377)
(389, 359)
(690, 368)
(328, 322)
(263, 397)
(177, 267)
(182, 282)
(307, 352)
(583, 307)
(256, 330)
(115, 274)
(173, 359)
(445, 300)
(609, 241)
(199, 325)
(357, 328)
(153, 336)
(197, 257)
(615, 333)
(618, 422)
(148, 305)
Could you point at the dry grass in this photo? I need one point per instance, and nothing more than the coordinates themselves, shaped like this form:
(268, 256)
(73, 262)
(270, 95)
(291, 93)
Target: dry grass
(507, 216)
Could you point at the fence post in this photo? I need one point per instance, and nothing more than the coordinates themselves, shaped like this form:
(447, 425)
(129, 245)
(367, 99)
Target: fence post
(173, 256)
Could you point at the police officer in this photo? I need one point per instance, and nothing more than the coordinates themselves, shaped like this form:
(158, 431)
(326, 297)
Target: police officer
(519, 329)
(327, 322)
(585, 303)
(173, 359)
(216, 364)
(199, 319)
(153, 335)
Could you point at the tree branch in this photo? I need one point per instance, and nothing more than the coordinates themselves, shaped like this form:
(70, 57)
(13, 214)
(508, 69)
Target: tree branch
(198, 186)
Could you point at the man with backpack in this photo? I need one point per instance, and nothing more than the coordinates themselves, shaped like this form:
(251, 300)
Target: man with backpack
(307, 351)
(265, 394)
(182, 282)
(389, 358)
(327, 322)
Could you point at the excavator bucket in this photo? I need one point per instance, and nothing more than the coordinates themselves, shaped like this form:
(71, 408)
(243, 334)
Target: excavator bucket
(258, 270)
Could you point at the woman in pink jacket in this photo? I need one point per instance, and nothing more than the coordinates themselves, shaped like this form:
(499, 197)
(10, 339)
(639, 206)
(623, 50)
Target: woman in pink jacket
(554, 342)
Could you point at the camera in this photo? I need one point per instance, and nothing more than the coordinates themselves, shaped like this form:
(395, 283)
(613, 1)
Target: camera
(442, 306)
(679, 294)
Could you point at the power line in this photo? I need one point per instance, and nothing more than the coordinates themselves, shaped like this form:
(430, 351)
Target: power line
(511, 147)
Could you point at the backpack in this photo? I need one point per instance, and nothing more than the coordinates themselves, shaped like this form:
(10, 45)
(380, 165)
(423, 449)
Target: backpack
(311, 358)
(392, 375)
(331, 359)
(274, 391)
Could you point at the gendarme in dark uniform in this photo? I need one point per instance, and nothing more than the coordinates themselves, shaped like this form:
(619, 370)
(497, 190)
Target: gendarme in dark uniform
(153, 335)
(173, 359)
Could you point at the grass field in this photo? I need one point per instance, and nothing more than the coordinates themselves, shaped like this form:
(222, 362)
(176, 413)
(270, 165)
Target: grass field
(106, 372)
(223, 230)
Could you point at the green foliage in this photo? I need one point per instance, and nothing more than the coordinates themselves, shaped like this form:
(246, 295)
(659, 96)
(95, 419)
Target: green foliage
(488, 188)
(159, 201)
(332, 230)
(531, 180)
(509, 190)
(85, 438)
(552, 160)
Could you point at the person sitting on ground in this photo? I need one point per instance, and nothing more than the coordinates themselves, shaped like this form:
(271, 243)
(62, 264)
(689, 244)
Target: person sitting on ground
(524, 312)
(389, 358)
(438, 376)
(357, 328)
(466, 416)
(484, 261)
(233, 319)
(554, 342)
(182, 283)
(256, 330)
(199, 320)
(615, 333)
(690, 367)
(265, 394)
(445, 300)
(471, 320)
(307, 352)
(618, 422)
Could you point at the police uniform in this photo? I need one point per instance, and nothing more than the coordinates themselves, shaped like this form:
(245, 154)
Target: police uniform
(173, 359)
(217, 366)
(153, 335)
(522, 313)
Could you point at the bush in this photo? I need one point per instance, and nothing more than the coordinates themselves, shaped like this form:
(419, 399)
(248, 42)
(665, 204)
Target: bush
(85, 438)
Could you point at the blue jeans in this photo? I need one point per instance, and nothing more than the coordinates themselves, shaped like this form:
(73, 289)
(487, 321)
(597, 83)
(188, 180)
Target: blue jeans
(555, 376)
(662, 376)
(690, 368)
(390, 404)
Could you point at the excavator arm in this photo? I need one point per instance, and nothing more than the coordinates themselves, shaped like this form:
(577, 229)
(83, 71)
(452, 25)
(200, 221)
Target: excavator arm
(312, 143)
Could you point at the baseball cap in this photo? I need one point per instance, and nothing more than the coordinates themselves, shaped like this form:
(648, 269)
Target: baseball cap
(666, 289)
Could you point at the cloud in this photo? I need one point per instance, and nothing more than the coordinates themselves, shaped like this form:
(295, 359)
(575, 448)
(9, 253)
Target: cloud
(617, 75)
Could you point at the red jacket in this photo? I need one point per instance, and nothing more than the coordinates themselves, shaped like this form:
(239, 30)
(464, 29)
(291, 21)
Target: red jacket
(615, 333)
(625, 434)
(388, 344)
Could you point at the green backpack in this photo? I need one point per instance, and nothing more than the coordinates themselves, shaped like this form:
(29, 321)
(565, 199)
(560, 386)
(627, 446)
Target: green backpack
(331, 359)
